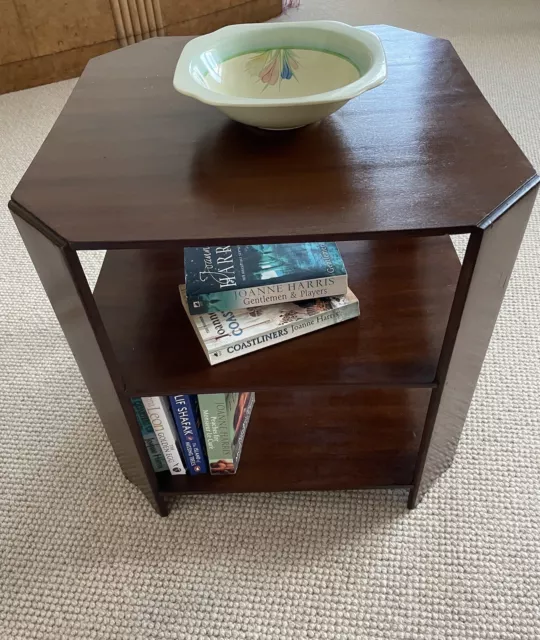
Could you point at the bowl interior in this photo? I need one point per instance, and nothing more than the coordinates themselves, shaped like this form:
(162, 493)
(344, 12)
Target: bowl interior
(279, 73)
(263, 63)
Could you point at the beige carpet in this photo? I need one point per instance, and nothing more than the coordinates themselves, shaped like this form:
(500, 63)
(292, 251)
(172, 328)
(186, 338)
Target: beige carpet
(82, 555)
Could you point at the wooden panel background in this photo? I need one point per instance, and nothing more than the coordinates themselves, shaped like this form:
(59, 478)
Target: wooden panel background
(14, 45)
(47, 41)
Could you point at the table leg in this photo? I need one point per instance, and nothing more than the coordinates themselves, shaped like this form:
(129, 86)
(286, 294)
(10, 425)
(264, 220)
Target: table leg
(487, 267)
(63, 278)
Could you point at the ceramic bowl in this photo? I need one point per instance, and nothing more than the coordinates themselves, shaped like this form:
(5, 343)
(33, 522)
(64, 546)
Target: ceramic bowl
(281, 76)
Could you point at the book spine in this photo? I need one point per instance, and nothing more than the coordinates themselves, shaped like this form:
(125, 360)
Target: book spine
(263, 295)
(287, 332)
(150, 439)
(186, 416)
(214, 415)
(242, 432)
(159, 415)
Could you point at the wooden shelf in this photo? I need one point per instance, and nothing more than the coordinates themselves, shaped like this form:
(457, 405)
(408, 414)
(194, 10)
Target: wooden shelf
(405, 288)
(131, 162)
(303, 440)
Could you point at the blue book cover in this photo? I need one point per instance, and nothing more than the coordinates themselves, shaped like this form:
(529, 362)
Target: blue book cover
(242, 276)
(150, 440)
(185, 410)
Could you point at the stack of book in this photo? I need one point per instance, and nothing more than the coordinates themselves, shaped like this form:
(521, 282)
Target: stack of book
(194, 434)
(243, 298)
(240, 299)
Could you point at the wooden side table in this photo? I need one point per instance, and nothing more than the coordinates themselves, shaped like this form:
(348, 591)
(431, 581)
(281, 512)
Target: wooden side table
(135, 168)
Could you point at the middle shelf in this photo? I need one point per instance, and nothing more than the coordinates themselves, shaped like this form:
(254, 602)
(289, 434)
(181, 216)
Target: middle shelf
(405, 287)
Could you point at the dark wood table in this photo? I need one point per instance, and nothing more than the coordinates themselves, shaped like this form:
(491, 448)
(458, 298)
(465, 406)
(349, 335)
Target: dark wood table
(133, 167)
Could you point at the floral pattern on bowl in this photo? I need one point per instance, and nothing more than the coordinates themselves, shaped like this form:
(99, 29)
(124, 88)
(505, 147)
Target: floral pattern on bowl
(281, 73)
(273, 66)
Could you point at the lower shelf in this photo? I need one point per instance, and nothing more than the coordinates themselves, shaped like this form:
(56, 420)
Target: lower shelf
(304, 440)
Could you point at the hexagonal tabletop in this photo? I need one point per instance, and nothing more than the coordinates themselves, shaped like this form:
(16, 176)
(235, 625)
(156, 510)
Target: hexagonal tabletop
(131, 161)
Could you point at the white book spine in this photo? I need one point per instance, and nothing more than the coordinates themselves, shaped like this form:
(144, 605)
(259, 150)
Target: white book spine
(160, 416)
(281, 334)
(262, 295)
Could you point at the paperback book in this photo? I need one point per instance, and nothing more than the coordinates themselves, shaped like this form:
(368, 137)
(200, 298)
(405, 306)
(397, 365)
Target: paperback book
(228, 334)
(243, 276)
(185, 411)
(225, 418)
(150, 439)
(159, 414)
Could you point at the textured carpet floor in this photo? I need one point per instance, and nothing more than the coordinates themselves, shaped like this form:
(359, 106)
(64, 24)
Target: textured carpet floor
(83, 556)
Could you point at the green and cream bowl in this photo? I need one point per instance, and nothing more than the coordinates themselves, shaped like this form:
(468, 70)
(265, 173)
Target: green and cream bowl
(281, 76)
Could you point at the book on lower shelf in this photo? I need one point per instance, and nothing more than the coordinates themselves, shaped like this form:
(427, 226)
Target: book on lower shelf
(228, 334)
(159, 414)
(185, 410)
(150, 439)
(243, 276)
(225, 417)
